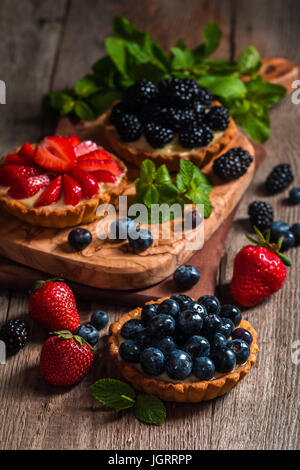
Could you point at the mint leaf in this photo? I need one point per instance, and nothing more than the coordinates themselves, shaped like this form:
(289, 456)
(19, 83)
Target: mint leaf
(212, 36)
(116, 49)
(257, 125)
(198, 197)
(182, 58)
(86, 86)
(150, 409)
(61, 101)
(249, 61)
(227, 87)
(167, 192)
(186, 171)
(103, 100)
(148, 171)
(162, 175)
(84, 111)
(264, 93)
(151, 196)
(113, 393)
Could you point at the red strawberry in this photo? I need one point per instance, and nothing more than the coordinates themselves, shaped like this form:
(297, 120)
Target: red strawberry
(65, 359)
(85, 147)
(104, 176)
(87, 181)
(99, 154)
(10, 174)
(55, 153)
(72, 191)
(13, 158)
(28, 187)
(52, 305)
(27, 151)
(258, 271)
(51, 194)
(73, 139)
(94, 165)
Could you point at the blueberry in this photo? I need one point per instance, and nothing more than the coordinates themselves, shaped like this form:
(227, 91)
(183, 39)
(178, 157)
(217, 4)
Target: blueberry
(119, 228)
(198, 307)
(197, 346)
(241, 350)
(190, 322)
(182, 300)
(294, 195)
(132, 328)
(241, 333)
(281, 229)
(152, 361)
(212, 324)
(148, 312)
(224, 360)
(211, 303)
(218, 342)
(203, 368)
(193, 219)
(169, 307)
(227, 327)
(186, 276)
(296, 231)
(231, 312)
(99, 319)
(179, 364)
(88, 332)
(278, 228)
(130, 351)
(288, 241)
(161, 326)
(165, 345)
(140, 239)
(79, 238)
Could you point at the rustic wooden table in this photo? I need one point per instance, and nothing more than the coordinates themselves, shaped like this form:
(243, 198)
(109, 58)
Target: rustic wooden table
(48, 45)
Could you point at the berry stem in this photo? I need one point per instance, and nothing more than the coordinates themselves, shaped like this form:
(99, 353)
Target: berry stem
(274, 247)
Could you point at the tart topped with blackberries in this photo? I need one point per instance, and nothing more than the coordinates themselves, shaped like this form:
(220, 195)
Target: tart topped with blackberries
(175, 119)
(184, 350)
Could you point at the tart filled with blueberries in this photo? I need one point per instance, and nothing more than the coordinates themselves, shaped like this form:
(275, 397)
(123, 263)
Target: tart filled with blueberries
(184, 350)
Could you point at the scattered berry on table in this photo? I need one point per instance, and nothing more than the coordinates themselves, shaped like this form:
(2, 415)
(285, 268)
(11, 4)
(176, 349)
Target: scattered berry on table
(141, 93)
(294, 195)
(15, 335)
(278, 229)
(148, 312)
(143, 241)
(158, 135)
(169, 307)
(129, 127)
(119, 228)
(296, 231)
(241, 333)
(203, 368)
(241, 350)
(211, 303)
(88, 332)
(217, 118)
(130, 351)
(288, 241)
(287, 236)
(224, 360)
(280, 178)
(162, 325)
(179, 364)
(79, 238)
(152, 361)
(132, 328)
(261, 214)
(99, 319)
(182, 300)
(218, 342)
(197, 346)
(190, 322)
(193, 219)
(231, 312)
(233, 164)
(186, 276)
(227, 327)
(195, 136)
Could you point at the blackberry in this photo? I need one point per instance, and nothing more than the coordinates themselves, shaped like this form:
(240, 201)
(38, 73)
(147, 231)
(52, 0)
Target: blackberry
(195, 136)
(261, 214)
(153, 112)
(118, 112)
(280, 178)
(129, 127)
(217, 118)
(178, 92)
(15, 335)
(199, 110)
(204, 97)
(178, 119)
(232, 164)
(142, 92)
(158, 136)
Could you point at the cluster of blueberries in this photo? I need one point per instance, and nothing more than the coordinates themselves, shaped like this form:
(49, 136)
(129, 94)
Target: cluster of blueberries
(290, 234)
(90, 331)
(181, 337)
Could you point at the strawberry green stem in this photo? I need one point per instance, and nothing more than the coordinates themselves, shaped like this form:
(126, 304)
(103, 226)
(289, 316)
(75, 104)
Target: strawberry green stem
(274, 247)
(38, 284)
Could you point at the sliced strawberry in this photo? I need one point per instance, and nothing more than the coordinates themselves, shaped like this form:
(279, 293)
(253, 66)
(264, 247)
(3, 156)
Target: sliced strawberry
(51, 194)
(85, 147)
(72, 191)
(55, 153)
(15, 159)
(94, 165)
(28, 187)
(27, 151)
(73, 139)
(99, 154)
(10, 174)
(87, 181)
(104, 176)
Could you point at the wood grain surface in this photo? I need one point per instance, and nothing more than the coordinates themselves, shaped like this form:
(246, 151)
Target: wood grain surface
(53, 45)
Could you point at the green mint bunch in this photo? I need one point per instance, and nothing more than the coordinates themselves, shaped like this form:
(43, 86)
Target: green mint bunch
(132, 55)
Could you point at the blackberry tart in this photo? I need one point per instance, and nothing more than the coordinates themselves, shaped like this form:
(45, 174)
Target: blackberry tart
(184, 352)
(177, 119)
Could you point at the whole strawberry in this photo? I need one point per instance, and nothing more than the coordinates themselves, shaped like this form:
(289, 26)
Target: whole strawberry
(258, 271)
(65, 359)
(52, 304)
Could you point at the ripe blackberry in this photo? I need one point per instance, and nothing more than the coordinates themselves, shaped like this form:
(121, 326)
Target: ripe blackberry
(180, 118)
(142, 92)
(261, 214)
(199, 110)
(129, 127)
(195, 136)
(117, 112)
(153, 112)
(280, 178)
(232, 164)
(204, 97)
(178, 92)
(15, 336)
(158, 136)
(217, 118)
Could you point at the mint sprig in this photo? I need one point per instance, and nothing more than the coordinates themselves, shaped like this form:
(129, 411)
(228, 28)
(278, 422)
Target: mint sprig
(133, 54)
(119, 396)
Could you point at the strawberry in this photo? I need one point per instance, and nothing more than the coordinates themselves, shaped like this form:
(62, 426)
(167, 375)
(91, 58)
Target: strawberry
(85, 147)
(52, 305)
(72, 191)
(27, 151)
(10, 174)
(65, 359)
(94, 165)
(104, 176)
(87, 181)
(13, 158)
(55, 153)
(51, 194)
(73, 139)
(258, 271)
(28, 187)
(99, 154)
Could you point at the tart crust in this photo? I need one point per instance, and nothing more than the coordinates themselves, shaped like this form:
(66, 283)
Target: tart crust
(188, 392)
(83, 213)
(172, 160)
